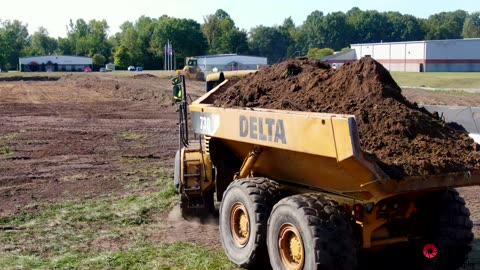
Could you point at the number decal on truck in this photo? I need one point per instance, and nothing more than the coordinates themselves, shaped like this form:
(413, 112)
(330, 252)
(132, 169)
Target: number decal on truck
(205, 124)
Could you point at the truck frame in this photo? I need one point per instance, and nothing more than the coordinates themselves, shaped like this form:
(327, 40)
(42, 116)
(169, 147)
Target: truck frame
(297, 188)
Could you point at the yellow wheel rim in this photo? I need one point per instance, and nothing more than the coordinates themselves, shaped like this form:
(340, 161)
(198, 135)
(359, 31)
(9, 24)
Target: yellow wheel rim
(290, 247)
(239, 224)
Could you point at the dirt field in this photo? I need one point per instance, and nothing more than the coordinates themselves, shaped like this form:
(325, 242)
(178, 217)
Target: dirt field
(77, 136)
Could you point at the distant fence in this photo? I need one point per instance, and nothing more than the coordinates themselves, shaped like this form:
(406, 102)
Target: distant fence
(468, 117)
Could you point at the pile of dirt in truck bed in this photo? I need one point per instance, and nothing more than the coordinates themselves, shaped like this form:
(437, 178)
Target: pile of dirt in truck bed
(404, 139)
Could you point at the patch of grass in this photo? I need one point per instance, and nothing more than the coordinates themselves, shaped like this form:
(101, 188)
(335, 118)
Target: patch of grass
(4, 140)
(133, 136)
(142, 254)
(140, 172)
(113, 231)
(62, 235)
(8, 137)
(449, 80)
(132, 160)
(5, 150)
(74, 178)
(456, 92)
(115, 210)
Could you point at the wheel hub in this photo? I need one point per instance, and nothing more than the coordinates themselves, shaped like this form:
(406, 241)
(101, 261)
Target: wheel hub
(239, 224)
(291, 247)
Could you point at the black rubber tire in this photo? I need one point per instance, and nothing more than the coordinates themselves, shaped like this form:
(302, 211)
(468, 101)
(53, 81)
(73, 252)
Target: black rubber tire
(328, 240)
(448, 227)
(200, 76)
(451, 231)
(258, 195)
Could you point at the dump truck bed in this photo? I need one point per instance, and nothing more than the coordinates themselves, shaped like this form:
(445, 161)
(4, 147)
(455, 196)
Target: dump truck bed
(318, 150)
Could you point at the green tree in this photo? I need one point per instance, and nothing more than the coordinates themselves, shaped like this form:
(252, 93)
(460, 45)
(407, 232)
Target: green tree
(288, 29)
(222, 35)
(122, 57)
(369, 26)
(184, 35)
(99, 59)
(97, 38)
(403, 27)
(145, 27)
(128, 53)
(310, 35)
(270, 42)
(65, 46)
(136, 39)
(317, 53)
(445, 25)
(87, 39)
(77, 35)
(336, 31)
(13, 41)
(41, 43)
(471, 26)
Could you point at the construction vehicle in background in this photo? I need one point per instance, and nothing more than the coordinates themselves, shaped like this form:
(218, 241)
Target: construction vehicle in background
(297, 188)
(191, 70)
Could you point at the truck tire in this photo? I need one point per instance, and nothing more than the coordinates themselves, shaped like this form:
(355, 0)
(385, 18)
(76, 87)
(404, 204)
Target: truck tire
(200, 76)
(244, 212)
(310, 231)
(451, 231)
(448, 228)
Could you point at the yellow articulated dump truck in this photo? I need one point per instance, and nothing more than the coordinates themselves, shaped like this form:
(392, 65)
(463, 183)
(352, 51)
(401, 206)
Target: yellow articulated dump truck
(298, 192)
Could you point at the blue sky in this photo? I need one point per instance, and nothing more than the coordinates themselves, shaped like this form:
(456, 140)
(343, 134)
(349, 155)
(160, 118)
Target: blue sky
(54, 15)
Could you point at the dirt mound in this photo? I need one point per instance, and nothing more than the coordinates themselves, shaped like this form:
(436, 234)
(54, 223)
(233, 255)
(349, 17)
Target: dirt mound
(404, 139)
(149, 89)
(144, 75)
(26, 78)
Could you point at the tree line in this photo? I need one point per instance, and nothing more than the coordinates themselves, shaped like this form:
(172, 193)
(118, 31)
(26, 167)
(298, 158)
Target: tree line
(142, 43)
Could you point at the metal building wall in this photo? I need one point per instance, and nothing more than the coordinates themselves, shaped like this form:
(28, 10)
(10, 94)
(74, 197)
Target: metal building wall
(456, 55)
(230, 62)
(459, 55)
(395, 56)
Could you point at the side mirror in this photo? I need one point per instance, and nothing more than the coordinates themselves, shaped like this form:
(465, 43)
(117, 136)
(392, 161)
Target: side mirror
(177, 89)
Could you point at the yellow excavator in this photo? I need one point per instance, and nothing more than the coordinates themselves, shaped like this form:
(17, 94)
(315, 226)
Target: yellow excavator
(191, 70)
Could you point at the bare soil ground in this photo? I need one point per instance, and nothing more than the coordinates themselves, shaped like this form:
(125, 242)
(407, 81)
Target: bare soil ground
(74, 137)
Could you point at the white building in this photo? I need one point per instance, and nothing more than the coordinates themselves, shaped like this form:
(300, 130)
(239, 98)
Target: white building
(225, 62)
(457, 55)
(54, 63)
(339, 59)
